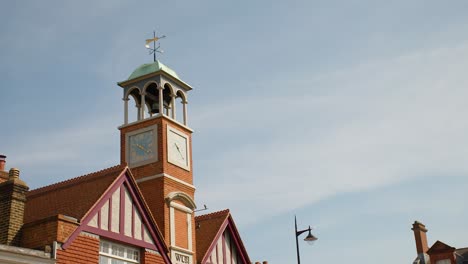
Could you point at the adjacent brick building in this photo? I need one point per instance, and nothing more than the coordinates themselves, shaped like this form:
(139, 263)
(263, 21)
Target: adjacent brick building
(439, 252)
(140, 211)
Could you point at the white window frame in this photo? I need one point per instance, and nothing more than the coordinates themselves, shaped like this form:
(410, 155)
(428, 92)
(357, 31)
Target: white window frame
(111, 256)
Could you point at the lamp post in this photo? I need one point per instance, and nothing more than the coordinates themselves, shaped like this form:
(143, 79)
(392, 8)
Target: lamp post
(309, 238)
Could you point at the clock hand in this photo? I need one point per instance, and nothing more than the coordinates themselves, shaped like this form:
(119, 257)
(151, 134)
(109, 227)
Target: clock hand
(143, 148)
(179, 151)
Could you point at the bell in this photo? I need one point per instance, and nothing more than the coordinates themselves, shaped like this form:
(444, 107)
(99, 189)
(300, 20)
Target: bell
(155, 108)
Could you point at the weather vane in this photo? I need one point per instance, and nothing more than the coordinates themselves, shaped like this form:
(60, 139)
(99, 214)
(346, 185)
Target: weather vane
(153, 50)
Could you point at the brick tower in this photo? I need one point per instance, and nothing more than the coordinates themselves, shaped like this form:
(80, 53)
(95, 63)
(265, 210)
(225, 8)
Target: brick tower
(157, 147)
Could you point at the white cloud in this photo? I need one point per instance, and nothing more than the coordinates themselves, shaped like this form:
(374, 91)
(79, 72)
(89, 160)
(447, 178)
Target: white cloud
(46, 157)
(375, 124)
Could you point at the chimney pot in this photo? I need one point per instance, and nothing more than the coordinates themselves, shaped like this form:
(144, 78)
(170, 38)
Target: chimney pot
(265, 262)
(2, 162)
(14, 174)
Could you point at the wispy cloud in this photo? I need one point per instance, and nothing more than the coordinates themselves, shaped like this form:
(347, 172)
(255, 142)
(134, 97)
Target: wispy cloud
(371, 125)
(50, 156)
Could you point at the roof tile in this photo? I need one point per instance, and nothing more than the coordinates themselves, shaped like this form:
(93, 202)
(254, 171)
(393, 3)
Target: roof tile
(207, 227)
(73, 197)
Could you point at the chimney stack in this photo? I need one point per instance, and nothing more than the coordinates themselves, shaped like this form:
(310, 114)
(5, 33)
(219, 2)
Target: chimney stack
(2, 162)
(420, 237)
(12, 203)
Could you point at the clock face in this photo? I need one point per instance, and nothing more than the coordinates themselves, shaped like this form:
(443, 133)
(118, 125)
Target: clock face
(177, 148)
(141, 147)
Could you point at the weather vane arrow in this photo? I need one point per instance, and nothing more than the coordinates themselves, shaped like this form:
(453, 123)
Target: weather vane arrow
(155, 49)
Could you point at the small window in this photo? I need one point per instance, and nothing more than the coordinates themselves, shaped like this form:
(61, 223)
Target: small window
(113, 253)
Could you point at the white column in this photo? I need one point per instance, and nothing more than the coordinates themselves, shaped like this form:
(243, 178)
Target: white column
(143, 105)
(189, 228)
(161, 103)
(125, 110)
(172, 225)
(138, 111)
(173, 104)
(184, 103)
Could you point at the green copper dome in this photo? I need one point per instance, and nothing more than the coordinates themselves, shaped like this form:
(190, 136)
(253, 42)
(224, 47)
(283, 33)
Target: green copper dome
(148, 68)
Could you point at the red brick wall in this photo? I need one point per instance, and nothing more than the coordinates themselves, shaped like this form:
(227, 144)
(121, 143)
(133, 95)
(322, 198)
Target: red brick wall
(181, 228)
(162, 166)
(44, 232)
(84, 249)
(151, 258)
(156, 190)
(40, 233)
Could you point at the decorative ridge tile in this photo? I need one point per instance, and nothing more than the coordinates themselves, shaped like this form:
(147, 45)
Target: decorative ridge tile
(217, 214)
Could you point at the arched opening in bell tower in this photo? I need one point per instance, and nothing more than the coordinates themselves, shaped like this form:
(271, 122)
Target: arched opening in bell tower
(167, 98)
(133, 102)
(152, 99)
(181, 104)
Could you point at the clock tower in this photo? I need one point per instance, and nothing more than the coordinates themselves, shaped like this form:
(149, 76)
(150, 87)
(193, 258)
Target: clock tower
(157, 146)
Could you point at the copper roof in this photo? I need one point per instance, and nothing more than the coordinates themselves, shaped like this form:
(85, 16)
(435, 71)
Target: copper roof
(73, 197)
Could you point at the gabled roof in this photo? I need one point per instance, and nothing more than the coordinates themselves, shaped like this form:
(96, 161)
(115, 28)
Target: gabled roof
(440, 247)
(84, 197)
(210, 228)
(73, 197)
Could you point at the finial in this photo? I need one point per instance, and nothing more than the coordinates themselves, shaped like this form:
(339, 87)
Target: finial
(154, 49)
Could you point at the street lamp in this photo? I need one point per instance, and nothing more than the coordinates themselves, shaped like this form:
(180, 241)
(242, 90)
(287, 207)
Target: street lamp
(310, 239)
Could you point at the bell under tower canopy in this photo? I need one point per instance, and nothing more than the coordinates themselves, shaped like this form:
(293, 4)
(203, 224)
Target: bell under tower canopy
(155, 88)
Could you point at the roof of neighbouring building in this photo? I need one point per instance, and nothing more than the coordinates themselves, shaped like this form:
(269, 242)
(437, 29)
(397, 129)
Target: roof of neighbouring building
(73, 197)
(461, 255)
(439, 246)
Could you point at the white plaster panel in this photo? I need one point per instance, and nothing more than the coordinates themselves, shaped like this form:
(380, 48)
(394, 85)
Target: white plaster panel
(105, 216)
(128, 215)
(115, 223)
(227, 243)
(138, 227)
(146, 236)
(220, 251)
(94, 221)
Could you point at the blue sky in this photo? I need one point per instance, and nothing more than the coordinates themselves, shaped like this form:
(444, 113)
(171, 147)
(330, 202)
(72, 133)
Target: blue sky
(349, 114)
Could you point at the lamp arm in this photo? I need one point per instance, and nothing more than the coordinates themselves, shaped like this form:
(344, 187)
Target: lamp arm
(298, 233)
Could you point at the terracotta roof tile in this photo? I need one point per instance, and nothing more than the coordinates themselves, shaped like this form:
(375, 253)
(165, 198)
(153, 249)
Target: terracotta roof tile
(207, 227)
(73, 197)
